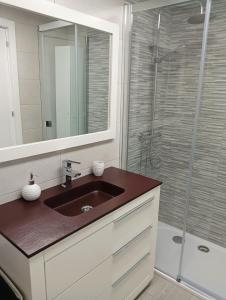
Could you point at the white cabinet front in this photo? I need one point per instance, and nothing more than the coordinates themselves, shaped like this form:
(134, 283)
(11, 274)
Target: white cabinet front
(91, 286)
(66, 268)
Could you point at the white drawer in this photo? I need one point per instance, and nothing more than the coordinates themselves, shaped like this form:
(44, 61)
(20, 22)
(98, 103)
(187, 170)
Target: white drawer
(105, 295)
(69, 266)
(134, 282)
(130, 254)
(93, 286)
(132, 223)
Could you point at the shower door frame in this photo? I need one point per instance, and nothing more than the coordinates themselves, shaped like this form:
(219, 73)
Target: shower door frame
(129, 9)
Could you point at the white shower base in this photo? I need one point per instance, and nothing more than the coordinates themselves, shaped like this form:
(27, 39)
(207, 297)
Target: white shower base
(204, 271)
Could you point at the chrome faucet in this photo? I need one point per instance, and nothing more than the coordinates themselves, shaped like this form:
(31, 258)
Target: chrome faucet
(68, 172)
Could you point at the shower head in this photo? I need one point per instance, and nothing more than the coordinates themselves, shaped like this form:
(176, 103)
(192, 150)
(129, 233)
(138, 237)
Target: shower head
(199, 18)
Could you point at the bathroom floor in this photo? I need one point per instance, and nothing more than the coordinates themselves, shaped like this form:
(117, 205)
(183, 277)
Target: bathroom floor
(165, 289)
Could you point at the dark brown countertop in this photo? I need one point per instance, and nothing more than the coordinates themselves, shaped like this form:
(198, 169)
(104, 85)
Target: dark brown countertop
(32, 226)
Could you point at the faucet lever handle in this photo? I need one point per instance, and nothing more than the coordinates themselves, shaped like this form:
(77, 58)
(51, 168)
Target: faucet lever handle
(68, 161)
(74, 162)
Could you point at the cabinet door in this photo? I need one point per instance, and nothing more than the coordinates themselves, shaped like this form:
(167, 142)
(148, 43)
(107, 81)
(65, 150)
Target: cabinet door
(66, 268)
(133, 222)
(130, 285)
(93, 286)
(130, 254)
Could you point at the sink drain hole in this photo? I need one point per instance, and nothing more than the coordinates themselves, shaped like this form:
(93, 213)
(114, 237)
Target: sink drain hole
(86, 208)
(203, 248)
(177, 239)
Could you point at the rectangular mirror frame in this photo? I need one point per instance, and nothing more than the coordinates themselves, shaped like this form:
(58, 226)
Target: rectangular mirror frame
(57, 11)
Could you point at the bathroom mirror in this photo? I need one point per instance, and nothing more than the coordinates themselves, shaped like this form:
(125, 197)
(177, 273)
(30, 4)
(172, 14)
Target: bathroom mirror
(57, 76)
(63, 78)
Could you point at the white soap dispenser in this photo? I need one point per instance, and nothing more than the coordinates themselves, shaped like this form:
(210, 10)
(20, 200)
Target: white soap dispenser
(31, 191)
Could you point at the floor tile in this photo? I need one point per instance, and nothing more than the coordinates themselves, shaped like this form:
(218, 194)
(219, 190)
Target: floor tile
(157, 285)
(165, 289)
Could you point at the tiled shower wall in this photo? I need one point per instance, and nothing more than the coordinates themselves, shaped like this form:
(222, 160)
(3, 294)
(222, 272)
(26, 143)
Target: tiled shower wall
(167, 154)
(98, 80)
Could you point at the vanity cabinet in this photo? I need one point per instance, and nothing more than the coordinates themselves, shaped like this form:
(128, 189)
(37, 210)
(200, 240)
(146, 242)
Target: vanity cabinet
(110, 259)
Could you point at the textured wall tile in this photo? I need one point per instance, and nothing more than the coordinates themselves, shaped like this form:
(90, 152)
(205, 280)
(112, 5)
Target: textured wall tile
(167, 156)
(98, 80)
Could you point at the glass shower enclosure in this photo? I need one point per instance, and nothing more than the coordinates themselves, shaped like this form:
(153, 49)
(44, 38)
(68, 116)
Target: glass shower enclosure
(175, 124)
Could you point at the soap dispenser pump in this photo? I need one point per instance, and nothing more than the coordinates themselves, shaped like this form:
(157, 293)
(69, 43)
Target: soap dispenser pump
(31, 191)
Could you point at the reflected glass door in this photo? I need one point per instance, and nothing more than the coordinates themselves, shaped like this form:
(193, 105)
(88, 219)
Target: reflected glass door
(57, 58)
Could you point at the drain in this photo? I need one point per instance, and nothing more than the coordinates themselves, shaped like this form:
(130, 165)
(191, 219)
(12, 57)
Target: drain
(177, 239)
(86, 208)
(203, 248)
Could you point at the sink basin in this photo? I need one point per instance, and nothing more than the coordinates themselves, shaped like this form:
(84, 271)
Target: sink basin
(83, 198)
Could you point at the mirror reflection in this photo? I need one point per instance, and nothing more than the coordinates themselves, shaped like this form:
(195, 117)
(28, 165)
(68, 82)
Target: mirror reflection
(54, 78)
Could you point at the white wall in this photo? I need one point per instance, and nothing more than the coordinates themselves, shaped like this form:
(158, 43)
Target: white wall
(28, 70)
(106, 9)
(14, 175)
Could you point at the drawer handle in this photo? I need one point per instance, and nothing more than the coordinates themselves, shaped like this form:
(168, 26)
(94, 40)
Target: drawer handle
(134, 209)
(133, 240)
(130, 270)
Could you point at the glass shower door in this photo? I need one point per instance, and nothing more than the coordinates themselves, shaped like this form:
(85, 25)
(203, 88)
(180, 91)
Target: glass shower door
(204, 258)
(164, 71)
(177, 133)
(176, 106)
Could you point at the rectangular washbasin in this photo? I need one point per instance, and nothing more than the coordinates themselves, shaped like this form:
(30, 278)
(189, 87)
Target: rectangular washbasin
(83, 198)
